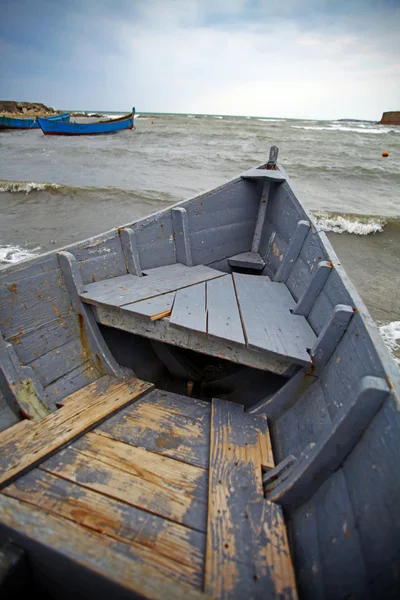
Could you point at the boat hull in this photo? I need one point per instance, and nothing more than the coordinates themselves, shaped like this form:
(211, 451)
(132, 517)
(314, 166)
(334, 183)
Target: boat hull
(100, 128)
(22, 123)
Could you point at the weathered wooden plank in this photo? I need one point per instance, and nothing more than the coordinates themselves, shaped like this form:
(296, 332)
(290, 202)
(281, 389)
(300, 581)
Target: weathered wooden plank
(177, 550)
(189, 311)
(32, 302)
(331, 335)
(128, 289)
(268, 324)
(216, 243)
(93, 344)
(292, 251)
(247, 552)
(247, 260)
(311, 293)
(284, 211)
(298, 279)
(74, 380)
(320, 312)
(266, 174)
(324, 457)
(261, 216)
(158, 484)
(49, 336)
(155, 240)
(264, 440)
(108, 571)
(58, 362)
(161, 331)
(130, 250)
(270, 292)
(181, 236)
(167, 424)
(153, 307)
(20, 452)
(223, 318)
(231, 204)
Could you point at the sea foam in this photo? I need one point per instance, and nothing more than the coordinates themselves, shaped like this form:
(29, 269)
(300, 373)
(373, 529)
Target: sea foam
(391, 335)
(26, 186)
(355, 224)
(13, 254)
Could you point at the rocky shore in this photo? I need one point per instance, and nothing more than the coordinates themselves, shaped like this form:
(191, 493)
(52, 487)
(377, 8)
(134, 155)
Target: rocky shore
(11, 108)
(390, 118)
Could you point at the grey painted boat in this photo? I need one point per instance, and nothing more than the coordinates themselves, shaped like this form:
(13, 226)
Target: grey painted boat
(215, 345)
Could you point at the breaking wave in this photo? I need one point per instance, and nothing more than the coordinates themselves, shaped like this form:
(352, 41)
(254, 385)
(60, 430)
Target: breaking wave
(13, 254)
(350, 223)
(27, 186)
(359, 129)
(391, 336)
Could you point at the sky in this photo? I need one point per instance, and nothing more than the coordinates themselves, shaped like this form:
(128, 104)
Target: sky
(315, 59)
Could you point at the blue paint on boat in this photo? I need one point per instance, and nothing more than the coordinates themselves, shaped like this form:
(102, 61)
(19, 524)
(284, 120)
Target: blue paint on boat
(30, 123)
(100, 127)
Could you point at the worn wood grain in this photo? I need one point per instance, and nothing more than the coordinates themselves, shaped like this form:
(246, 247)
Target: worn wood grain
(181, 236)
(177, 550)
(261, 216)
(168, 425)
(292, 251)
(247, 260)
(153, 307)
(20, 452)
(158, 484)
(108, 570)
(311, 293)
(161, 331)
(189, 311)
(247, 552)
(128, 288)
(130, 250)
(223, 320)
(268, 324)
(264, 440)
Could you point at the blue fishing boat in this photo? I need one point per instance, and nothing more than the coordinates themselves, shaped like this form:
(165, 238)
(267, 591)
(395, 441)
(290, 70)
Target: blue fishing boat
(49, 127)
(30, 123)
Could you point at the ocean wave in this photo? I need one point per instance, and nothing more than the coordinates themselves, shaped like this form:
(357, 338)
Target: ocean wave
(13, 254)
(391, 336)
(271, 120)
(349, 223)
(27, 186)
(363, 129)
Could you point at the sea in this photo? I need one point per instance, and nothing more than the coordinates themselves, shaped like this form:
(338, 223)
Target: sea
(58, 190)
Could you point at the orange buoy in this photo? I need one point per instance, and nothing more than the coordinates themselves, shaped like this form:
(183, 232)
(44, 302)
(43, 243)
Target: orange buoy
(385, 154)
(152, 122)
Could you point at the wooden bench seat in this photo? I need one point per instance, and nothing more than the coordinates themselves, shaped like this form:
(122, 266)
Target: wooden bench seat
(243, 318)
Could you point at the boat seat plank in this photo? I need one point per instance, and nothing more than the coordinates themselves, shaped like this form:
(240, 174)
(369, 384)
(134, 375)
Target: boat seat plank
(177, 551)
(165, 423)
(267, 321)
(247, 260)
(161, 485)
(267, 174)
(130, 288)
(189, 311)
(102, 564)
(223, 320)
(23, 448)
(247, 554)
(153, 308)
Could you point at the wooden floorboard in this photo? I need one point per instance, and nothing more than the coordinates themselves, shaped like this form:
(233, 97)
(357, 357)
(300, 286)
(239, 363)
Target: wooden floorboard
(158, 484)
(223, 312)
(111, 570)
(22, 447)
(177, 551)
(247, 552)
(153, 307)
(167, 424)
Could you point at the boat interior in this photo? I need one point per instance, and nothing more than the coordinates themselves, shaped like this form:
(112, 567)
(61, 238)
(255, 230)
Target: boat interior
(197, 391)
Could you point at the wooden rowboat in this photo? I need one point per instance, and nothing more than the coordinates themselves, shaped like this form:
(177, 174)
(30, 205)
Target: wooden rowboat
(30, 123)
(97, 128)
(207, 408)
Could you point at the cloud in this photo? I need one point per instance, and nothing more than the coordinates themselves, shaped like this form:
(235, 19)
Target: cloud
(311, 60)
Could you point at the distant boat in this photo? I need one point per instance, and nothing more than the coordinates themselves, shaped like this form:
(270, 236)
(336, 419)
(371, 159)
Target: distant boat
(30, 123)
(49, 127)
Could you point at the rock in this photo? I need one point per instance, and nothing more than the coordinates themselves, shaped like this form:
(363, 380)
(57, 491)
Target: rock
(390, 118)
(13, 108)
